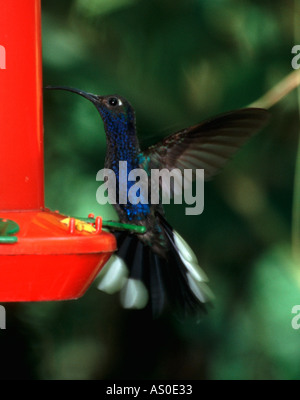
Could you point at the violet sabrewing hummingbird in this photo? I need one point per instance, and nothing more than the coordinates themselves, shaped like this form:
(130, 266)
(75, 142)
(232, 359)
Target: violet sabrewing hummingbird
(158, 269)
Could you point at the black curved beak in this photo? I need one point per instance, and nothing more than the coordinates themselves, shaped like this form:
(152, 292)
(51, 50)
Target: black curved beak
(92, 97)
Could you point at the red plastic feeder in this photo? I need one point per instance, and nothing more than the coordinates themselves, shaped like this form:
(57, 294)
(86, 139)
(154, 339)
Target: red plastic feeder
(41, 258)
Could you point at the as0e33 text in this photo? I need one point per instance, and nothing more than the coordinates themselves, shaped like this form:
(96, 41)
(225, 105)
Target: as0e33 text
(171, 389)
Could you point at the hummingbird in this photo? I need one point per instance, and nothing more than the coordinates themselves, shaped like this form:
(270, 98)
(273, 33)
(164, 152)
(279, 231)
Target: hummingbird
(157, 269)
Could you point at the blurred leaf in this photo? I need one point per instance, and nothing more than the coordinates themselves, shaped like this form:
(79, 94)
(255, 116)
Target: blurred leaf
(95, 8)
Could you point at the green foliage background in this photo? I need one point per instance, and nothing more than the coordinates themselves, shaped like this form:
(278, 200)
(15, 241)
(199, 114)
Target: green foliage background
(178, 62)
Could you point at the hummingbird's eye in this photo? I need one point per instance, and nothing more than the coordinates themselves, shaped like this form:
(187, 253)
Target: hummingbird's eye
(113, 101)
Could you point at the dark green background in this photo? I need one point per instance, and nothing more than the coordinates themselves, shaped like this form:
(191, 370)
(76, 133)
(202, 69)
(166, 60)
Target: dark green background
(178, 62)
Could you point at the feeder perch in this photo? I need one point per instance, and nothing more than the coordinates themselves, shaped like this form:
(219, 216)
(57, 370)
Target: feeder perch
(43, 255)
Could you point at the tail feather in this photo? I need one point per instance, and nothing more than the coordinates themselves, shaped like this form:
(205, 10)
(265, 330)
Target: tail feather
(179, 291)
(135, 294)
(175, 282)
(193, 275)
(139, 259)
(158, 280)
(127, 247)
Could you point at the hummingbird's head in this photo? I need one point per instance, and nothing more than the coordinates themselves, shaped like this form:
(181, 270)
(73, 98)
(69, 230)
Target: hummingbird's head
(114, 109)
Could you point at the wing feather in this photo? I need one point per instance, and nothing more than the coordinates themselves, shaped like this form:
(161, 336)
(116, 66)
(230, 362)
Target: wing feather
(209, 144)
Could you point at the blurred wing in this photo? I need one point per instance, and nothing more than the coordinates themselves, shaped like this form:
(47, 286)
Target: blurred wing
(208, 145)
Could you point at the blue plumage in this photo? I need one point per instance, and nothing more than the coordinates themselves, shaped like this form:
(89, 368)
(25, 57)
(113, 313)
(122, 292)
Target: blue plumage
(122, 145)
(162, 269)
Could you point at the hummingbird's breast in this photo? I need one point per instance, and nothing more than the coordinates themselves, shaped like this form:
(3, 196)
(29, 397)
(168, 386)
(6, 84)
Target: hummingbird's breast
(127, 149)
(123, 156)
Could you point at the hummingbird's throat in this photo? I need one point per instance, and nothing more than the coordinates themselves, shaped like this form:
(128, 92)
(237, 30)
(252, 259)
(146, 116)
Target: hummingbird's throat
(122, 143)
